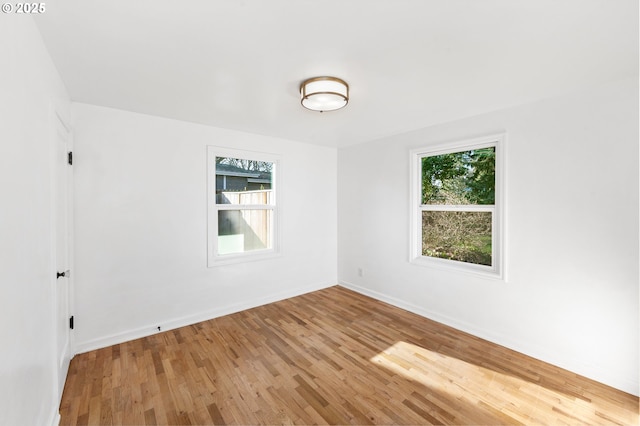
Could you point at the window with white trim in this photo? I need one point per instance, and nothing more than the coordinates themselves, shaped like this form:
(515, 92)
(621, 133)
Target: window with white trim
(242, 207)
(457, 197)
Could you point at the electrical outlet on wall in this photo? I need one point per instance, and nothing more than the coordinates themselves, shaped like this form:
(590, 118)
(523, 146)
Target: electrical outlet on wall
(360, 272)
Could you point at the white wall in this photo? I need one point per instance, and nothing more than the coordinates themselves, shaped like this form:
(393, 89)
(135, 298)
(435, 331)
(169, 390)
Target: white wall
(28, 85)
(141, 225)
(572, 233)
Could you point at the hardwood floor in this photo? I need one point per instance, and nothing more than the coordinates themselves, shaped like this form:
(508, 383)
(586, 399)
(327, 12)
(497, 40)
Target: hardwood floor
(328, 357)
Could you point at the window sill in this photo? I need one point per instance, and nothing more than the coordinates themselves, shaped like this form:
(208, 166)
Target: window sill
(481, 271)
(231, 259)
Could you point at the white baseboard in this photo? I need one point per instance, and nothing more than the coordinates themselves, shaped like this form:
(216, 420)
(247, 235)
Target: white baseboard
(625, 384)
(171, 324)
(55, 417)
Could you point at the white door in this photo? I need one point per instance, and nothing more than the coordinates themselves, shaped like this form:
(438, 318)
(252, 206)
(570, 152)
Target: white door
(61, 205)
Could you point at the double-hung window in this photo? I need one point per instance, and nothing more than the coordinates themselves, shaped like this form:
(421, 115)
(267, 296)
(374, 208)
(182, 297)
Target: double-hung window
(242, 213)
(457, 197)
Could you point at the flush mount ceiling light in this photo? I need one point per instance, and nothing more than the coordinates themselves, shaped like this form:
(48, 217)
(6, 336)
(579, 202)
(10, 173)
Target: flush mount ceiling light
(324, 93)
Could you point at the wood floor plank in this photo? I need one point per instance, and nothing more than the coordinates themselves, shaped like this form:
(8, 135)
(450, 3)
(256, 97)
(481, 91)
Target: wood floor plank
(328, 357)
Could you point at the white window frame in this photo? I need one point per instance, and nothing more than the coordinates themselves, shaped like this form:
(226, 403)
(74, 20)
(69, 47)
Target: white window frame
(497, 269)
(215, 259)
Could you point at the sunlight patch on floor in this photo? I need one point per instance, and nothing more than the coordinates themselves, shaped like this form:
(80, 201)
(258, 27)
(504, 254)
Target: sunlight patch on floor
(453, 380)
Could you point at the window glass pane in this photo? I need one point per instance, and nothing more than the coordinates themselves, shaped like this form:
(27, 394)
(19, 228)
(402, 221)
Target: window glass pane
(459, 178)
(240, 181)
(240, 231)
(461, 236)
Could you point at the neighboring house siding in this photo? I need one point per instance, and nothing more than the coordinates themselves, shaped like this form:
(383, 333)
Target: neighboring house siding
(238, 183)
(235, 183)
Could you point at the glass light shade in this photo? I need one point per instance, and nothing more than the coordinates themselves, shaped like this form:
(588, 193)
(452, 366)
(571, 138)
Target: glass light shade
(324, 93)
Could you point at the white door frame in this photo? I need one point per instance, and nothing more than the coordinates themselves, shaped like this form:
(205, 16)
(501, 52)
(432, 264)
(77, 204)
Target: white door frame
(61, 133)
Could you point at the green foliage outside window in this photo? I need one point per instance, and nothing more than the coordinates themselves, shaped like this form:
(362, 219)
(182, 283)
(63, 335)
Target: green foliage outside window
(466, 177)
(461, 236)
(458, 179)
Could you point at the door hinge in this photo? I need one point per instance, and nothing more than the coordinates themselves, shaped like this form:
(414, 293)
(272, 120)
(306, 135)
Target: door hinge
(70, 158)
(71, 322)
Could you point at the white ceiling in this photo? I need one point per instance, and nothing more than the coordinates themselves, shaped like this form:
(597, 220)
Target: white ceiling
(238, 64)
